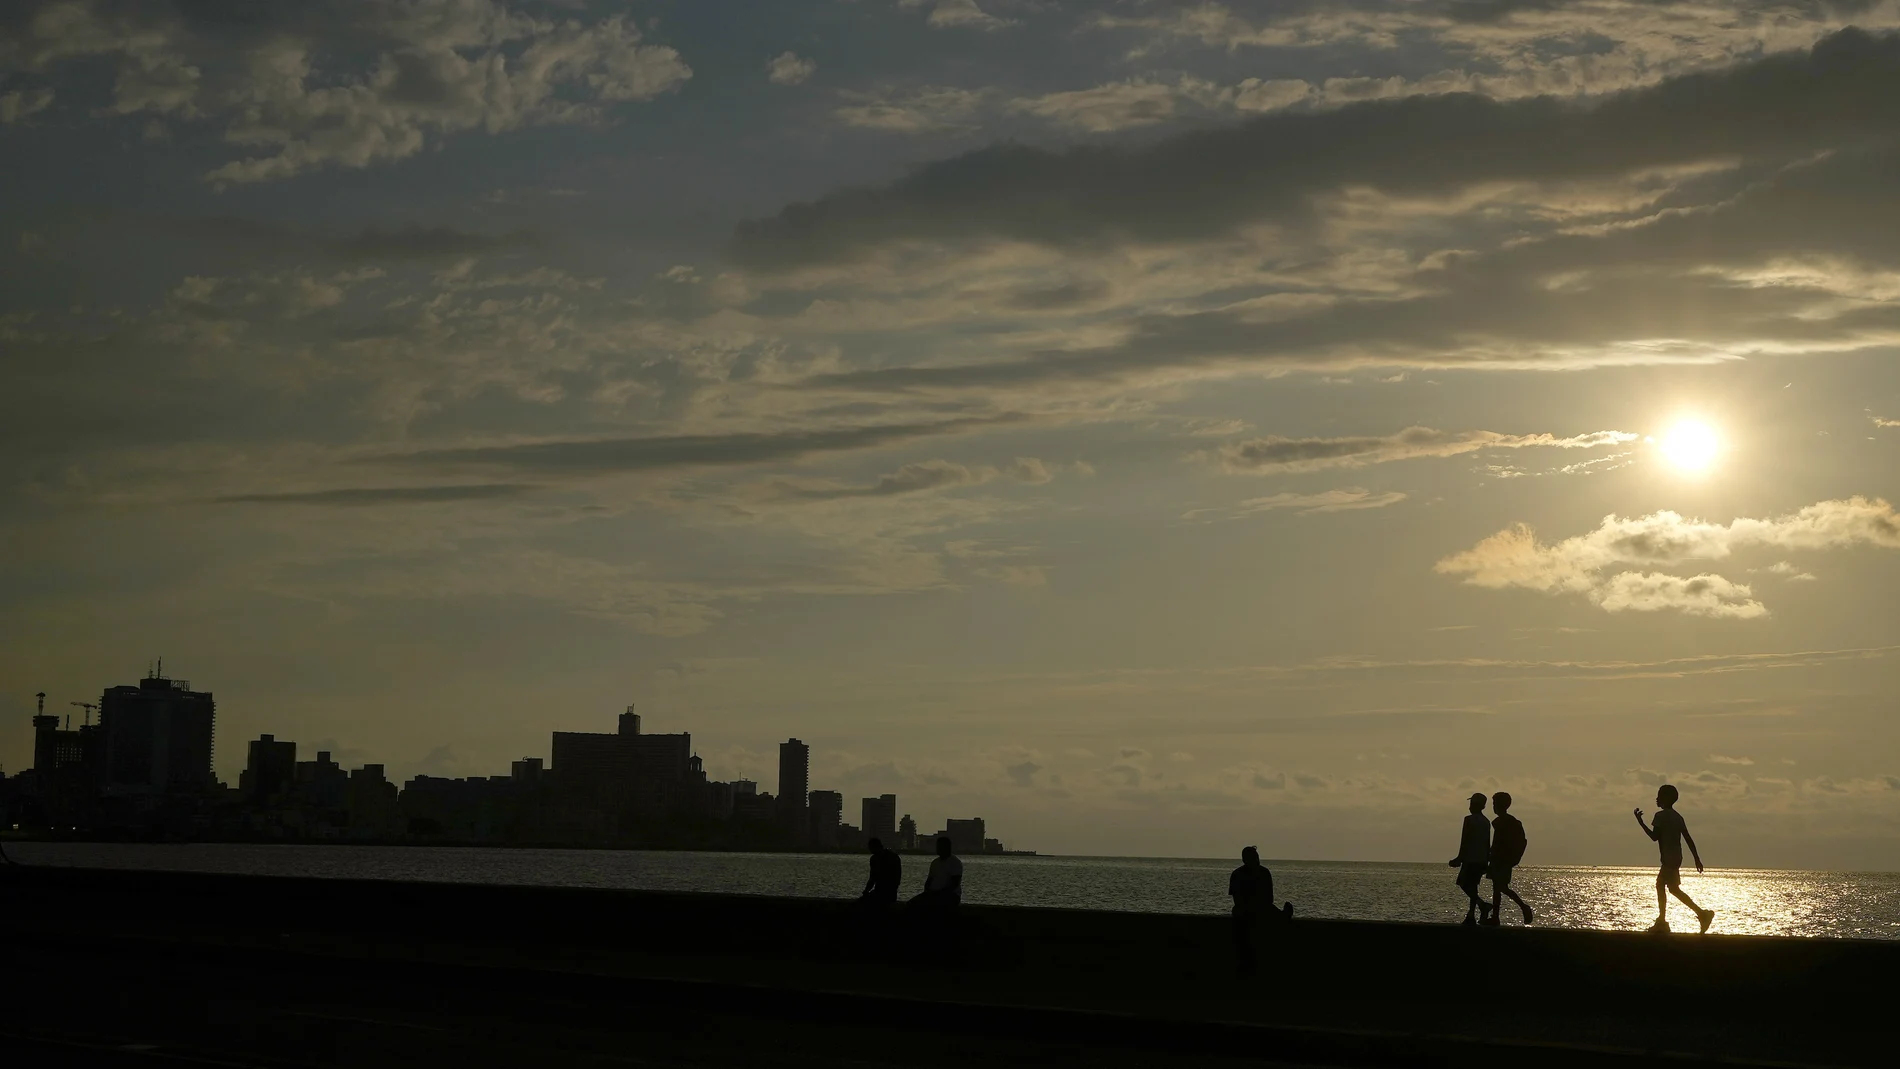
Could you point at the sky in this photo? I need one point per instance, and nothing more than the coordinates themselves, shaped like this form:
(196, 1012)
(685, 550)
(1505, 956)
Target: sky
(1155, 427)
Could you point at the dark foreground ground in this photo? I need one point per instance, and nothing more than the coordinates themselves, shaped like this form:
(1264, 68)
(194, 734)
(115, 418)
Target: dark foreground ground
(171, 968)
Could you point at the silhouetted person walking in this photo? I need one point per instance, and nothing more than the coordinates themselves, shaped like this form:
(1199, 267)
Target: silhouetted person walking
(1474, 857)
(1507, 849)
(887, 873)
(1668, 834)
(1251, 888)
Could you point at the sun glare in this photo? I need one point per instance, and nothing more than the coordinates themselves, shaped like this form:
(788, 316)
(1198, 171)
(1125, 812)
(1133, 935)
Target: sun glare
(1691, 447)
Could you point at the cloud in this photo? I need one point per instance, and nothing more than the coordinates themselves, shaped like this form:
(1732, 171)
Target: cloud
(1345, 500)
(953, 14)
(426, 242)
(1274, 454)
(788, 68)
(668, 452)
(415, 72)
(1275, 782)
(925, 110)
(1120, 105)
(1700, 595)
(23, 103)
(924, 475)
(1879, 422)
(1208, 184)
(1721, 760)
(382, 495)
(1023, 774)
(1515, 558)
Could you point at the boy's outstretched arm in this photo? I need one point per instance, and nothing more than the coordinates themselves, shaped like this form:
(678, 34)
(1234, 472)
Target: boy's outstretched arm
(1646, 828)
(1693, 852)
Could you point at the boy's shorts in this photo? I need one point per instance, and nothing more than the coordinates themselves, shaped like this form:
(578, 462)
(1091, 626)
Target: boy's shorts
(1469, 875)
(1670, 876)
(1501, 875)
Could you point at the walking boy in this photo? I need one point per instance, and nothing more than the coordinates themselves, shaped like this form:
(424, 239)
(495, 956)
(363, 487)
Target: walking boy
(1474, 853)
(1668, 834)
(1507, 849)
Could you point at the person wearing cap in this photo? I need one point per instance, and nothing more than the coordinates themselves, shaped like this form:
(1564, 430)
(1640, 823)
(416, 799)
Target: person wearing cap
(1474, 857)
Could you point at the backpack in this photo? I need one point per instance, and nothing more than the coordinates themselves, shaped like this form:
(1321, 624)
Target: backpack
(1509, 844)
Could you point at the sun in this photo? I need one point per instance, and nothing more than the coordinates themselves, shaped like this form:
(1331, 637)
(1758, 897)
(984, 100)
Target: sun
(1691, 446)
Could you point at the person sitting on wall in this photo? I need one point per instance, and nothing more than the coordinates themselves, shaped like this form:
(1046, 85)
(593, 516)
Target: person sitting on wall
(887, 873)
(1251, 888)
(943, 885)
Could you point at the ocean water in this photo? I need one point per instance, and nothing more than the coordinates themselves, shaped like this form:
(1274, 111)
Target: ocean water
(1856, 905)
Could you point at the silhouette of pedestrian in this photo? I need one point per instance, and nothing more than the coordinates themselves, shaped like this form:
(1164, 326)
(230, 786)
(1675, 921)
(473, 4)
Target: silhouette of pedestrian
(1474, 856)
(1251, 888)
(1668, 834)
(1507, 849)
(887, 873)
(943, 885)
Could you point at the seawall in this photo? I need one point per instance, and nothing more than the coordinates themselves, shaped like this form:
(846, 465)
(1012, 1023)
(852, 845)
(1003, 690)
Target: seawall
(1329, 992)
(1175, 954)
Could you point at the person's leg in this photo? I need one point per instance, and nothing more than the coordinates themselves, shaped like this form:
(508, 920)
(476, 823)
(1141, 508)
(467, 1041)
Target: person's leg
(1683, 897)
(1521, 905)
(1662, 899)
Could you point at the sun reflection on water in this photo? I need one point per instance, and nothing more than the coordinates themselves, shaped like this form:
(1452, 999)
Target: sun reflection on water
(1746, 901)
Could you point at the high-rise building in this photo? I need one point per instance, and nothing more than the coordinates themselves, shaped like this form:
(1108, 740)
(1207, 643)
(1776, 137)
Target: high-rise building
(879, 818)
(64, 767)
(744, 786)
(907, 833)
(527, 771)
(794, 782)
(623, 773)
(269, 771)
(827, 812)
(157, 738)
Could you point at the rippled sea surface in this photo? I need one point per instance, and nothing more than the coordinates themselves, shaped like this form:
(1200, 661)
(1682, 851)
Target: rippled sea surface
(1755, 901)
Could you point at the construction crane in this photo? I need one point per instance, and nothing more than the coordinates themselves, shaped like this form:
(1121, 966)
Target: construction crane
(88, 707)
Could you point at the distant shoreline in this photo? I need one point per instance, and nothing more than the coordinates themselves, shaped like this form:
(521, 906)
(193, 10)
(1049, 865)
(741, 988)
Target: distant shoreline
(12, 837)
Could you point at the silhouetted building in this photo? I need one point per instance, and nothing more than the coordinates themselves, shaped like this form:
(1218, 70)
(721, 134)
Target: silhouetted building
(623, 773)
(879, 819)
(527, 771)
(269, 771)
(850, 839)
(907, 833)
(744, 786)
(827, 812)
(966, 836)
(794, 781)
(475, 809)
(754, 805)
(322, 783)
(719, 800)
(371, 802)
(65, 772)
(157, 739)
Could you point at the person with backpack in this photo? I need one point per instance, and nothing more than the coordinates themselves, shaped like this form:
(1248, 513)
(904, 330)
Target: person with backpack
(1507, 849)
